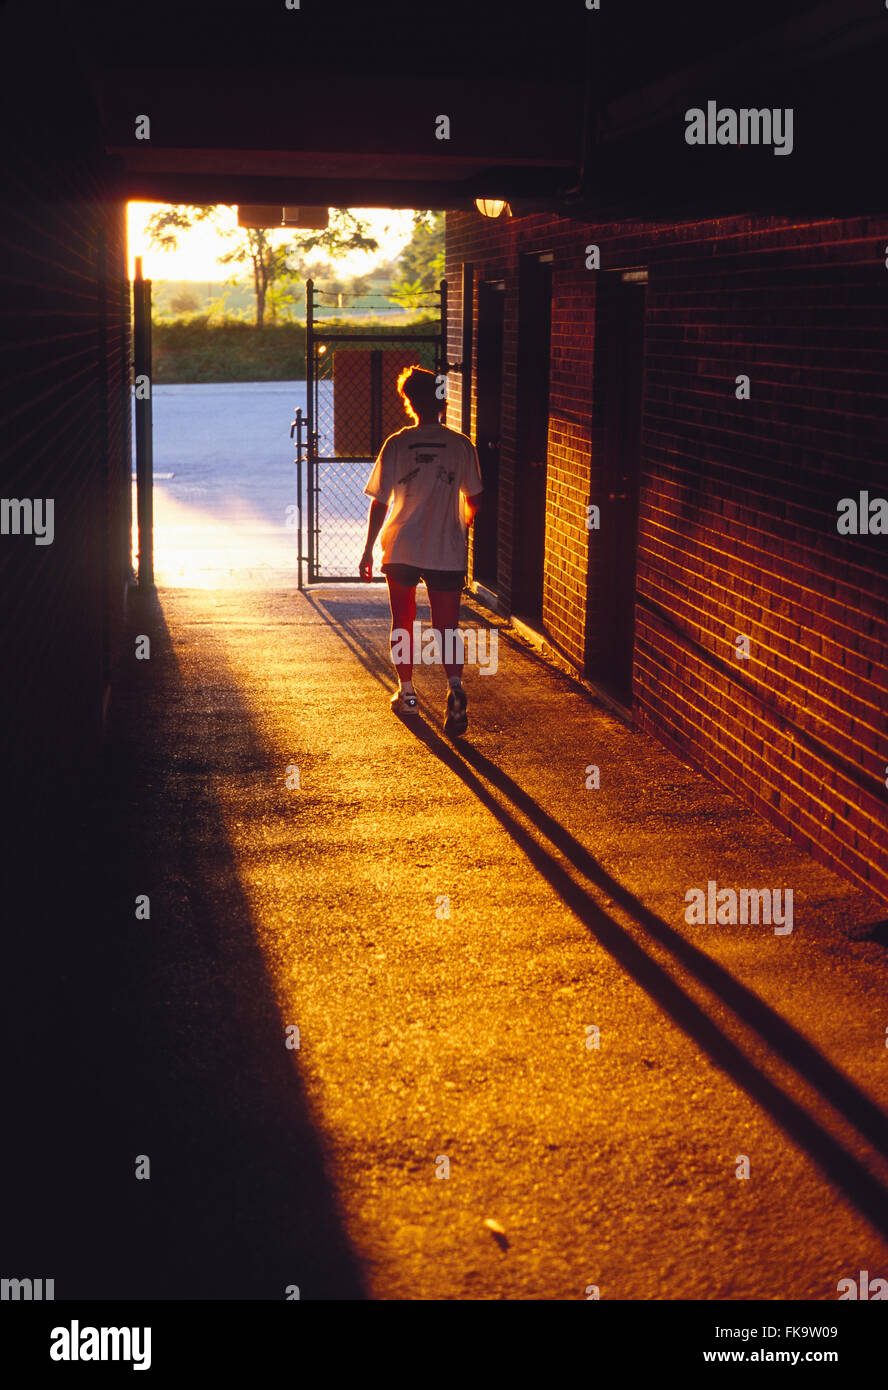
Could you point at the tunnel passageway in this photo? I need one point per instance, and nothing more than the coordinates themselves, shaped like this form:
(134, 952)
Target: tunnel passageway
(447, 927)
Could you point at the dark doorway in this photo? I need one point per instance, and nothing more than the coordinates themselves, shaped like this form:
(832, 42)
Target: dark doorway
(619, 397)
(491, 301)
(534, 340)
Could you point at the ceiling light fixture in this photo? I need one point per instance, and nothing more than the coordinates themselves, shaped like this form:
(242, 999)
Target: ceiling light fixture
(490, 207)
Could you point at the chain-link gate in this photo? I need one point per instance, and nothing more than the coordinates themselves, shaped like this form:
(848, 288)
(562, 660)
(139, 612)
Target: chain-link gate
(352, 407)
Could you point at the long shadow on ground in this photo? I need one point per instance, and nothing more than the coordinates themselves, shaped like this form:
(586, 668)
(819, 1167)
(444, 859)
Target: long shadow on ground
(157, 1037)
(859, 1186)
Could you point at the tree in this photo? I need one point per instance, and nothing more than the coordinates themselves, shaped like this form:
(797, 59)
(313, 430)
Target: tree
(329, 282)
(184, 302)
(421, 263)
(410, 294)
(275, 259)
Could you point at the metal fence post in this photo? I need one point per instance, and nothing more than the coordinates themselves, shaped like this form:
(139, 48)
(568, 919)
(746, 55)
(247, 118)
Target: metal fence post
(297, 425)
(310, 417)
(443, 358)
(144, 436)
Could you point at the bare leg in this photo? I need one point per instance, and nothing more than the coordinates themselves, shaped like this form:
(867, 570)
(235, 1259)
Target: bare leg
(444, 604)
(402, 598)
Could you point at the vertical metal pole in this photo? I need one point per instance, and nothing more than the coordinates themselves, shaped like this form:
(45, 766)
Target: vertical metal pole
(310, 415)
(144, 441)
(297, 426)
(299, 509)
(442, 347)
(149, 438)
(109, 547)
(127, 460)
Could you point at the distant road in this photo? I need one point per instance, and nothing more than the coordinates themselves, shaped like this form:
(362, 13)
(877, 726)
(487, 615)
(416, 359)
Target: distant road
(222, 517)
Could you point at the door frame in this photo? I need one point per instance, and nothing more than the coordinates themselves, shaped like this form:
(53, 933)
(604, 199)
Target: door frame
(489, 291)
(616, 684)
(523, 596)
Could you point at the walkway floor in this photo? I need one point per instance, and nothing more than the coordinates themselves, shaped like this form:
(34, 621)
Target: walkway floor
(447, 926)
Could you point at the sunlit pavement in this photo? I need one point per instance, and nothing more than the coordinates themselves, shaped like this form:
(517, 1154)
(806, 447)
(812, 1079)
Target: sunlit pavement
(225, 485)
(447, 926)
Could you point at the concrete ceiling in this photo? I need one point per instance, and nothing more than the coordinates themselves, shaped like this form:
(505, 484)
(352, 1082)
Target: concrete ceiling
(552, 106)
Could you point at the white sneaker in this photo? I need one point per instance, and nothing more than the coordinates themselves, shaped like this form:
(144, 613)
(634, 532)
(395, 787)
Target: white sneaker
(404, 704)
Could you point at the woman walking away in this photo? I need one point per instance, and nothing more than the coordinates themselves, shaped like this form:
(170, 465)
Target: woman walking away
(431, 475)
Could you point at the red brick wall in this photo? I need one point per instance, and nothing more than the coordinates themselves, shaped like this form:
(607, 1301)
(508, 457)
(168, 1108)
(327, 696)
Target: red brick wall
(737, 525)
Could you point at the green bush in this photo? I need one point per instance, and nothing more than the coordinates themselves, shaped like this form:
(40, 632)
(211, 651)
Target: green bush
(192, 349)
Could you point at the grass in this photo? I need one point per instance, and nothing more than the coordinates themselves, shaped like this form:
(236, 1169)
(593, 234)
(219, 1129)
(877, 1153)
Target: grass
(192, 349)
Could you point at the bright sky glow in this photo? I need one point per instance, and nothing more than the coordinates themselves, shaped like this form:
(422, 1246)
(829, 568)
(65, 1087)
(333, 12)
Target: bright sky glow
(198, 249)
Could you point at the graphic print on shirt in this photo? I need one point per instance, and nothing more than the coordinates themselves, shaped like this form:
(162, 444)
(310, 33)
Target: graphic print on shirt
(421, 475)
(421, 458)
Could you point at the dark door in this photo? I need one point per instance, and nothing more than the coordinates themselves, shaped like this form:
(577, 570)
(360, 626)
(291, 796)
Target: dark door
(619, 395)
(534, 338)
(491, 297)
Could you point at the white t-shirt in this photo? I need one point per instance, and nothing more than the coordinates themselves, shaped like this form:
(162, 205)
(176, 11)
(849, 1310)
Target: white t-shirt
(425, 470)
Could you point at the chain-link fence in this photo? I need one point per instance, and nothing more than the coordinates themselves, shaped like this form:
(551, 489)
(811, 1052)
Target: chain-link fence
(355, 407)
